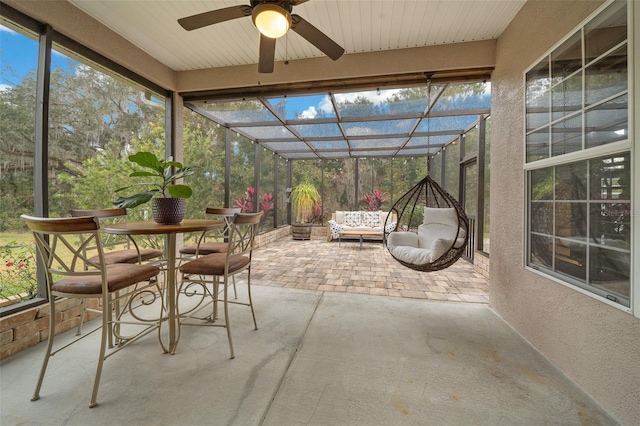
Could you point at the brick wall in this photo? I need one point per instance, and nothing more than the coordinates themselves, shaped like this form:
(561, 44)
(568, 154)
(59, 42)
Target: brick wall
(481, 264)
(27, 328)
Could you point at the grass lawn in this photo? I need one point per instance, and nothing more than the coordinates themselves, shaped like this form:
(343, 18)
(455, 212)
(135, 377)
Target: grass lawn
(19, 238)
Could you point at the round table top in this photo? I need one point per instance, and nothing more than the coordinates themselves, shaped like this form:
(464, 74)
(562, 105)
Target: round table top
(150, 227)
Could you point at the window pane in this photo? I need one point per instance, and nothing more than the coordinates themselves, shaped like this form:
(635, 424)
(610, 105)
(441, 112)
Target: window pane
(541, 251)
(487, 186)
(610, 177)
(266, 191)
(241, 174)
(204, 150)
(606, 31)
(606, 77)
(566, 58)
(567, 97)
(571, 259)
(375, 184)
(609, 271)
(538, 144)
(19, 57)
(436, 168)
(607, 122)
(542, 218)
(538, 85)
(471, 141)
(542, 184)
(593, 234)
(571, 181)
(571, 220)
(283, 195)
(471, 189)
(567, 136)
(610, 224)
(452, 169)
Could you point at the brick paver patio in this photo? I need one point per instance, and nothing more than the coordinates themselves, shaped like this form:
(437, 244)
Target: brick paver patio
(320, 265)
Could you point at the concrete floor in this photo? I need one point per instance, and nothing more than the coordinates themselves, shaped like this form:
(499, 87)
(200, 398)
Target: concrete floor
(322, 356)
(319, 358)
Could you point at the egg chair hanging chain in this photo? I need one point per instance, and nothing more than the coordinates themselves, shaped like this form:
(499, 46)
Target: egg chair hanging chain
(432, 229)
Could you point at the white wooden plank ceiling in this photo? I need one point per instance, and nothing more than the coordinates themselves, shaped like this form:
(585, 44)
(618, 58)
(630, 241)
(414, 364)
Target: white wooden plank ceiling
(357, 25)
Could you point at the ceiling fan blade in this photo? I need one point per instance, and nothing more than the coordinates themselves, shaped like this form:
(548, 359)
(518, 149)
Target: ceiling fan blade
(316, 37)
(267, 54)
(297, 2)
(214, 17)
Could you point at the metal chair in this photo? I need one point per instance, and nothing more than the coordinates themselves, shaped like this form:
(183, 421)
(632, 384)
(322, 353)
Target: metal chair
(61, 243)
(112, 246)
(109, 241)
(215, 270)
(220, 245)
(204, 247)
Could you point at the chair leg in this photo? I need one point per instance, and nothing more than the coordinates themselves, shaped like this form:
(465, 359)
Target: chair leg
(84, 309)
(226, 316)
(235, 292)
(52, 334)
(255, 324)
(105, 335)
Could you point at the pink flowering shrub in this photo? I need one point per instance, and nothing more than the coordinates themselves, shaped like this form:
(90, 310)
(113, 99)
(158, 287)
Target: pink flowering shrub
(375, 200)
(18, 272)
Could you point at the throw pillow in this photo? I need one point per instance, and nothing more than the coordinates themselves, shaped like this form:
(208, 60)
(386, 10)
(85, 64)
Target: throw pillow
(390, 227)
(340, 216)
(371, 219)
(335, 228)
(352, 218)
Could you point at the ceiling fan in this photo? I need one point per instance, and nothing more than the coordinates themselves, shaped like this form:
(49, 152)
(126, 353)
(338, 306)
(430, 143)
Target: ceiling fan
(273, 19)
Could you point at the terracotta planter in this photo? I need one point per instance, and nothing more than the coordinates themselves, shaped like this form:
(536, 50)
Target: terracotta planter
(301, 231)
(168, 211)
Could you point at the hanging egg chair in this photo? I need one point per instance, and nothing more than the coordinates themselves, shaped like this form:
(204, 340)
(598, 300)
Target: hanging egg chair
(432, 229)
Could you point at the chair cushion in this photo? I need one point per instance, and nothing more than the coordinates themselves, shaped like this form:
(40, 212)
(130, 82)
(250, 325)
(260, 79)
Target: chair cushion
(213, 264)
(205, 248)
(413, 255)
(444, 216)
(119, 276)
(127, 256)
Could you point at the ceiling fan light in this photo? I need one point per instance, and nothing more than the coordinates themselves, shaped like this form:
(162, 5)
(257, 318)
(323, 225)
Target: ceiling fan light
(271, 20)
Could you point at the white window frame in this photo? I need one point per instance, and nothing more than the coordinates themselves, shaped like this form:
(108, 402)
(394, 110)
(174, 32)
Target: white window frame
(631, 145)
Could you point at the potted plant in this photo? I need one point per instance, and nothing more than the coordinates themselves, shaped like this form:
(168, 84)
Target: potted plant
(167, 198)
(304, 200)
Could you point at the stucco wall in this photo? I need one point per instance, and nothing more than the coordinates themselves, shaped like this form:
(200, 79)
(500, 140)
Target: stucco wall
(598, 346)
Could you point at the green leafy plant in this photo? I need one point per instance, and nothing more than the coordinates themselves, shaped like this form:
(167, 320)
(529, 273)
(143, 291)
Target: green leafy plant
(164, 185)
(304, 199)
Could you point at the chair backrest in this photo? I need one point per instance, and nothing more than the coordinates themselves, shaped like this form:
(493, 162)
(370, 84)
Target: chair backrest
(62, 241)
(223, 213)
(110, 216)
(242, 233)
(437, 223)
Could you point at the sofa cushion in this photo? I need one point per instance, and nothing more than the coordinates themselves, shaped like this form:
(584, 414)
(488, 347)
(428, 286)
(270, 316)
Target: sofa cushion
(371, 219)
(353, 218)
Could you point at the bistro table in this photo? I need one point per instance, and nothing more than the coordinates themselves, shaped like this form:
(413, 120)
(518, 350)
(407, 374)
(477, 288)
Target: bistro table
(153, 228)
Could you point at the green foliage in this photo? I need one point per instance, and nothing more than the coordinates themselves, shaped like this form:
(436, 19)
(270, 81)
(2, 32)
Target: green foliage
(17, 272)
(304, 200)
(164, 185)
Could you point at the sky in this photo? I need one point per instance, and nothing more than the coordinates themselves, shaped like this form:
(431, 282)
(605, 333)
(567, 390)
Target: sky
(19, 55)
